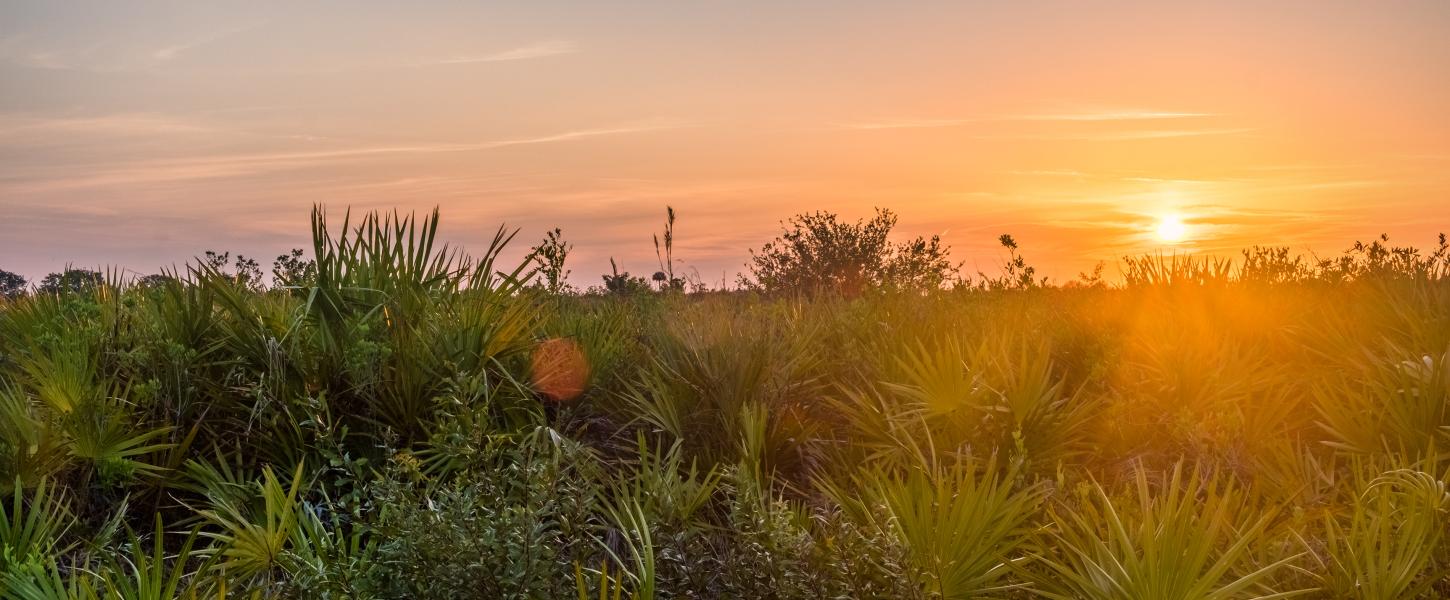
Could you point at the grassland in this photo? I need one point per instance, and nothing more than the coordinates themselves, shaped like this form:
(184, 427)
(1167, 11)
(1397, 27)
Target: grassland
(401, 421)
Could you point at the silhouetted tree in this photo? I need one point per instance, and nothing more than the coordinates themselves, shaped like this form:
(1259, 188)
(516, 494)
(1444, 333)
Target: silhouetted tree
(71, 281)
(1380, 260)
(154, 280)
(1016, 273)
(11, 284)
(819, 253)
(622, 283)
(291, 270)
(245, 271)
(550, 255)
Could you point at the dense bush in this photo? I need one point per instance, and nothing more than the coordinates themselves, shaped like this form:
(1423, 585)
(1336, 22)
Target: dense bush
(818, 253)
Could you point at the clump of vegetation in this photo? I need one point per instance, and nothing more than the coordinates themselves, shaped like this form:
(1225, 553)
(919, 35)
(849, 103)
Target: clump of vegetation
(549, 258)
(11, 284)
(818, 253)
(382, 420)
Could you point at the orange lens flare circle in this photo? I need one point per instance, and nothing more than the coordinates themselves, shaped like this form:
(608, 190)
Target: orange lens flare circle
(558, 369)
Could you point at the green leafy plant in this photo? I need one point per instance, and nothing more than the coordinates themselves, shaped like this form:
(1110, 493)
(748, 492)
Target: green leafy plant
(1389, 545)
(250, 541)
(31, 529)
(153, 575)
(961, 527)
(1186, 535)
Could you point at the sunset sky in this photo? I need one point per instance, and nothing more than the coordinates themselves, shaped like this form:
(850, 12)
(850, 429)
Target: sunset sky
(141, 134)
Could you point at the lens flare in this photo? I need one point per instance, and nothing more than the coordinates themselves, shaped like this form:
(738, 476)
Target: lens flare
(559, 370)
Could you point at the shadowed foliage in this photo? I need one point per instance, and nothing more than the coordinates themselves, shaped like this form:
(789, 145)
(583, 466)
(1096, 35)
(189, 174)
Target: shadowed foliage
(390, 417)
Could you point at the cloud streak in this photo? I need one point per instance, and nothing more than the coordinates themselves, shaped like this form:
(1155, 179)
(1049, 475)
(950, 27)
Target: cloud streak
(531, 51)
(1114, 115)
(911, 123)
(1117, 136)
(1101, 116)
(114, 124)
(171, 52)
(233, 165)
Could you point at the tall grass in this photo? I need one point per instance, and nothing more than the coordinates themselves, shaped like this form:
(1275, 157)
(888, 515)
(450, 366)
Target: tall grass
(1186, 535)
(376, 426)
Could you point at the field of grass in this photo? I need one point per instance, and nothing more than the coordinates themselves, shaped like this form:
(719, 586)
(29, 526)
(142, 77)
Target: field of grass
(405, 422)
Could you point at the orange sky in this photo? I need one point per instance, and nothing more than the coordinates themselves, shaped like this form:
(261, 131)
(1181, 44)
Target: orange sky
(141, 134)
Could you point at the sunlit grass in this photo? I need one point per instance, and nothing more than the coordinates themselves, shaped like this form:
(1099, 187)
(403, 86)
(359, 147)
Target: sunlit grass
(400, 420)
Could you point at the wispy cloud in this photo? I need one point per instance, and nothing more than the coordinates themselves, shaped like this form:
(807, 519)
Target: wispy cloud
(535, 50)
(1094, 116)
(113, 124)
(1114, 136)
(54, 177)
(441, 148)
(909, 123)
(172, 51)
(19, 50)
(1113, 115)
(102, 55)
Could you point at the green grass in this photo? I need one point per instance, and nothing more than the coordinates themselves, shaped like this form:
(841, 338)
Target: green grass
(369, 429)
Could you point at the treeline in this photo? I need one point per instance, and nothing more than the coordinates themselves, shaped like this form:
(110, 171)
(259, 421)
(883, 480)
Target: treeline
(818, 253)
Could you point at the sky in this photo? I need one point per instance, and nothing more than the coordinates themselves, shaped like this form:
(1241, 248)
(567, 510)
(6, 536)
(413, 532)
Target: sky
(140, 134)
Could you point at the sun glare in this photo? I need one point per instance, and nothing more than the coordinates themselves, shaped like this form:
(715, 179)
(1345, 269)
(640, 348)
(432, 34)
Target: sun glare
(1171, 229)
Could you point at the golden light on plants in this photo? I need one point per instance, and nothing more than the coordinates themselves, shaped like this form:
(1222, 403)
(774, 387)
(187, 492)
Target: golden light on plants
(1124, 312)
(516, 408)
(1171, 229)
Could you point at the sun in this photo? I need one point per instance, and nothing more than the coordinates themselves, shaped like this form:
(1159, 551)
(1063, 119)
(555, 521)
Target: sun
(1171, 229)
